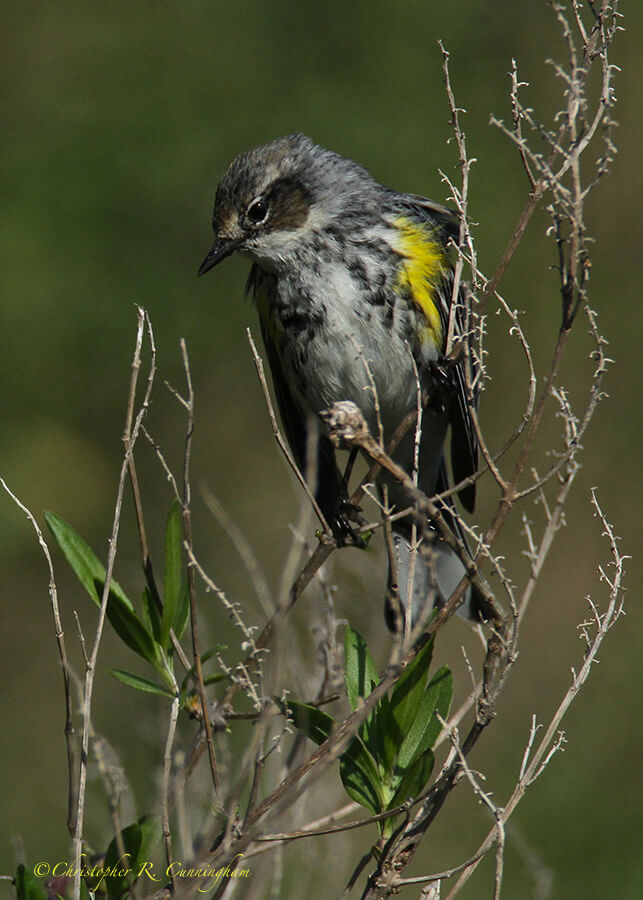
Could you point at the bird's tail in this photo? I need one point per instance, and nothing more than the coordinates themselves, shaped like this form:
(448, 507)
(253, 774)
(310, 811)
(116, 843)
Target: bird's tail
(424, 578)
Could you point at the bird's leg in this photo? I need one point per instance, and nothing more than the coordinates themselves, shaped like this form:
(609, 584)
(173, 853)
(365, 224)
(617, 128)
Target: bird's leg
(346, 515)
(348, 471)
(344, 531)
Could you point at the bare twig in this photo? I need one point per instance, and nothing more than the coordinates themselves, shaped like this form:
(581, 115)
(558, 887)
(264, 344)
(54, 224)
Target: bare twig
(70, 741)
(188, 402)
(130, 435)
(535, 761)
(165, 790)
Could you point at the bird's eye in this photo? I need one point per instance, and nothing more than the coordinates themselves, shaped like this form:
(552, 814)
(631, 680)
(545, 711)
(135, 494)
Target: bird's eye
(257, 212)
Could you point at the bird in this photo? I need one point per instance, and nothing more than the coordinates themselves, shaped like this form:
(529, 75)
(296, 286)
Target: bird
(353, 284)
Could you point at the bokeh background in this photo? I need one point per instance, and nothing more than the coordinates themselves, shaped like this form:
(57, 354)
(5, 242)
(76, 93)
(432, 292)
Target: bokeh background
(118, 120)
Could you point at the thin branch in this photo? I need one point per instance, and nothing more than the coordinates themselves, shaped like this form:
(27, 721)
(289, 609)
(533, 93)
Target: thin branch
(533, 764)
(165, 783)
(187, 530)
(70, 735)
(130, 435)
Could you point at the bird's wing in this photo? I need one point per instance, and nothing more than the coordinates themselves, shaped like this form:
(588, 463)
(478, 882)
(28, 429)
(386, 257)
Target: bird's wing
(293, 420)
(296, 423)
(464, 442)
(445, 219)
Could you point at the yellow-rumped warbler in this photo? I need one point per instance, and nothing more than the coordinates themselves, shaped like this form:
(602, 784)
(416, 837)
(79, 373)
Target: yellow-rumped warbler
(353, 287)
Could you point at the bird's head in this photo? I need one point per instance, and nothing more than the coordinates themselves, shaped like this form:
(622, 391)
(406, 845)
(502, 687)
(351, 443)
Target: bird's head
(275, 196)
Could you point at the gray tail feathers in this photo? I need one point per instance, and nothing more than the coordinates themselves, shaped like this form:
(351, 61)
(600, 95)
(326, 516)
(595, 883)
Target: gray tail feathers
(425, 578)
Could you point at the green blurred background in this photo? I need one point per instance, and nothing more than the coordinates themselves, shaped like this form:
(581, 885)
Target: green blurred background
(118, 120)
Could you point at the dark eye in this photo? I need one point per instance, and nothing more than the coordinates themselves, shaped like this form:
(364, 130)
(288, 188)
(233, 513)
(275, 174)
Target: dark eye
(257, 212)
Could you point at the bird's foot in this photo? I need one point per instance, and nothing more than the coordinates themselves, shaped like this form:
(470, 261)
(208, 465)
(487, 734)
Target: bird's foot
(345, 524)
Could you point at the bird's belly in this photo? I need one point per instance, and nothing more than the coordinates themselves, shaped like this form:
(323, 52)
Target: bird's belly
(369, 366)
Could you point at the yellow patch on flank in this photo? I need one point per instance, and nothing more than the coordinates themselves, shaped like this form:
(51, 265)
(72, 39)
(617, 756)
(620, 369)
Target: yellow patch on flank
(420, 270)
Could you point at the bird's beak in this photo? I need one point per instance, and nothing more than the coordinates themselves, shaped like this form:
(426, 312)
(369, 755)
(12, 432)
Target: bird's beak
(221, 248)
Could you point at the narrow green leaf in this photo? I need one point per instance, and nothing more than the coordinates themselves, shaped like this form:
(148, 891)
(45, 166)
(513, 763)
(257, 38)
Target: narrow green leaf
(131, 630)
(360, 673)
(314, 723)
(384, 737)
(395, 715)
(358, 787)
(141, 683)
(28, 887)
(212, 651)
(209, 653)
(88, 568)
(91, 573)
(407, 694)
(443, 680)
(413, 779)
(357, 768)
(361, 676)
(138, 841)
(426, 728)
(172, 571)
(357, 760)
(212, 679)
(151, 615)
(182, 612)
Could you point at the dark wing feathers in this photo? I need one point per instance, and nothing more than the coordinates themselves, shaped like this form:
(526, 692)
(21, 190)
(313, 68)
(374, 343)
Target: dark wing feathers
(445, 219)
(327, 478)
(464, 442)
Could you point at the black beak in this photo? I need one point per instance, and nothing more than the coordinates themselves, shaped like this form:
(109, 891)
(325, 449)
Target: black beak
(221, 248)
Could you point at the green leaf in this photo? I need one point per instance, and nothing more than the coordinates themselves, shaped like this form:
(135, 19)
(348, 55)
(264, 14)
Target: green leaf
(312, 722)
(406, 696)
(141, 683)
(360, 673)
(414, 779)
(120, 611)
(82, 559)
(425, 729)
(151, 615)
(131, 630)
(28, 887)
(395, 715)
(182, 612)
(440, 687)
(138, 841)
(358, 787)
(212, 651)
(361, 677)
(172, 572)
(360, 776)
(209, 653)
(357, 767)
(384, 737)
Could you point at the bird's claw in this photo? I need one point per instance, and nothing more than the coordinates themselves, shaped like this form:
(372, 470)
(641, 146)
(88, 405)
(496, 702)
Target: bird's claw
(343, 524)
